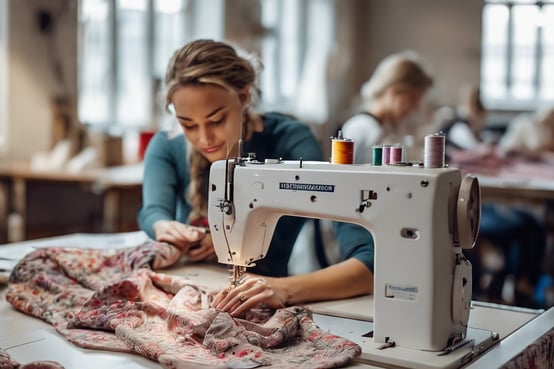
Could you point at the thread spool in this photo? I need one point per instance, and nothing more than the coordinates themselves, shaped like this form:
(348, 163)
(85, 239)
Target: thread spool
(386, 154)
(377, 155)
(396, 154)
(434, 151)
(342, 150)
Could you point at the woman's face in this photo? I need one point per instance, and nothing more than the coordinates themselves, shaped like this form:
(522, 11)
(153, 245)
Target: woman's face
(405, 102)
(211, 117)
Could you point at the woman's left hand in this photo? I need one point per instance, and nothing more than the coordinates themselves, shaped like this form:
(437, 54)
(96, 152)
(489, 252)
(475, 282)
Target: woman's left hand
(250, 292)
(204, 250)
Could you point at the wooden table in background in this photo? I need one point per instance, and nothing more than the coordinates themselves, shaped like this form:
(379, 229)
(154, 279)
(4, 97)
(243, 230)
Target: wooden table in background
(538, 192)
(112, 183)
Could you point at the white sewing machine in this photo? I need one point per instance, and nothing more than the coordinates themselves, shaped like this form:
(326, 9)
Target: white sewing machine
(420, 220)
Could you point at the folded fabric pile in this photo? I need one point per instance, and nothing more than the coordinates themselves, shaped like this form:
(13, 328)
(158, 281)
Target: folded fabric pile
(114, 300)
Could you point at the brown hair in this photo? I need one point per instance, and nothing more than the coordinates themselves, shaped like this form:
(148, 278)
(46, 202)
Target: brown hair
(211, 62)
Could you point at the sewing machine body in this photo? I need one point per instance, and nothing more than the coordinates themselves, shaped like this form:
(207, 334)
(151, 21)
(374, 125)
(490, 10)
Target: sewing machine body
(422, 283)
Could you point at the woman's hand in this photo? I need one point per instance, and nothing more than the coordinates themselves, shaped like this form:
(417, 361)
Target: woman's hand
(204, 250)
(195, 242)
(249, 293)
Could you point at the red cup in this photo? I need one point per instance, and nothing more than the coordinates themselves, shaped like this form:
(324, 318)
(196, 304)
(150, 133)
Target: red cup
(144, 139)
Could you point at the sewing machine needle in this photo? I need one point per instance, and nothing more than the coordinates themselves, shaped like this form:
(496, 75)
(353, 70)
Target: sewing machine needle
(236, 274)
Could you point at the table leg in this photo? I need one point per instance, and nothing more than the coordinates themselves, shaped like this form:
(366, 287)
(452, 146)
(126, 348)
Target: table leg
(110, 218)
(19, 198)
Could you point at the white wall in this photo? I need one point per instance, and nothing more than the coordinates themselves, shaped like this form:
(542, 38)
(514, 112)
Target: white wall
(446, 32)
(32, 85)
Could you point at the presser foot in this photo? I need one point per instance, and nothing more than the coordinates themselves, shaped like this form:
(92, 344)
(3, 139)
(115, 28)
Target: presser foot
(237, 273)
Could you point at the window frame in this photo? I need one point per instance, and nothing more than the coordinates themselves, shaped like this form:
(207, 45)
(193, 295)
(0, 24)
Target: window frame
(509, 101)
(205, 19)
(189, 11)
(283, 79)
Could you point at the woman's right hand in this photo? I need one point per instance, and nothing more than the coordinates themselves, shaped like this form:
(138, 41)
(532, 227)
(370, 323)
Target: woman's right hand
(182, 236)
(250, 292)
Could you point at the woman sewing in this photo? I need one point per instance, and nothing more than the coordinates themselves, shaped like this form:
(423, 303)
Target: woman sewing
(212, 91)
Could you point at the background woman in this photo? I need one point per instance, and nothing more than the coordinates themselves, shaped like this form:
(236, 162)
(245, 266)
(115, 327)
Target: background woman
(391, 95)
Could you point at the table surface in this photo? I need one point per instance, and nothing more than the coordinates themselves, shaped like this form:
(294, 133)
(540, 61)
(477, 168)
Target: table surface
(516, 188)
(132, 175)
(27, 338)
(124, 175)
(519, 179)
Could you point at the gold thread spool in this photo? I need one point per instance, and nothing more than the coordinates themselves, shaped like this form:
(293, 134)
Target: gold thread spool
(342, 151)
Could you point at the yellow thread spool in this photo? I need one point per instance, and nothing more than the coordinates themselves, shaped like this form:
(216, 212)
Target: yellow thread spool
(342, 150)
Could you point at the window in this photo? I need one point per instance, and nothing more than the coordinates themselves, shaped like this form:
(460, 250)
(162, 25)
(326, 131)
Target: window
(294, 53)
(125, 46)
(517, 54)
(124, 49)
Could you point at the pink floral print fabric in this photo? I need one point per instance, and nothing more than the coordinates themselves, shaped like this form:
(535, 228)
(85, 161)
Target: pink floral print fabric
(116, 300)
(538, 355)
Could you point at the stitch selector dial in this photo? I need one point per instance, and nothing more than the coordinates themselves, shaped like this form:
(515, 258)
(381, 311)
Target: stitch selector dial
(468, 211)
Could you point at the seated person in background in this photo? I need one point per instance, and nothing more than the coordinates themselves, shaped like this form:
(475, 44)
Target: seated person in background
(514, 232)
(394, 91)
(528, 137)
(212, 90)
(532, 135)
(463, 129)
(520, 238)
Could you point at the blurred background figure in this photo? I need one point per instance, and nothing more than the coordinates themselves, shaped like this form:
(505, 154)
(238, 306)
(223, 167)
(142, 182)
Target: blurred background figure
(531, 134)
(512, 239)
(392, 94)
(465, 125)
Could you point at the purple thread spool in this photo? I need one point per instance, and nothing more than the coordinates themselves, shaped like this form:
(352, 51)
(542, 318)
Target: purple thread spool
(386, 154)
(396, 154)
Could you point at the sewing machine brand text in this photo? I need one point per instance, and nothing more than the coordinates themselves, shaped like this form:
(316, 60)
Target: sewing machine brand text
(401, 292)
(306, 187)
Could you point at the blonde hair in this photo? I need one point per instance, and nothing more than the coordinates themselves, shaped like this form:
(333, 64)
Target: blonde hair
(212, 62)
(404, 70)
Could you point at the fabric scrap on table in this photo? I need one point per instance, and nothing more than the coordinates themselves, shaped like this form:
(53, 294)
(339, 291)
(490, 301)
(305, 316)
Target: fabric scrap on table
(7, 362)
(117, 300)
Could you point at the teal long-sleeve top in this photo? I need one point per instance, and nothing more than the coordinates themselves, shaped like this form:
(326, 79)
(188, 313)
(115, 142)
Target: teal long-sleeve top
(166, 179)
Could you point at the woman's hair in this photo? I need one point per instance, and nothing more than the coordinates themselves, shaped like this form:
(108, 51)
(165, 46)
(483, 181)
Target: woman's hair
(203, 62)
(404, 70)
(212, 62)
(470, 100)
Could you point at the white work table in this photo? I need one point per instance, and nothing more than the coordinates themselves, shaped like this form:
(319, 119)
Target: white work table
(27, 338)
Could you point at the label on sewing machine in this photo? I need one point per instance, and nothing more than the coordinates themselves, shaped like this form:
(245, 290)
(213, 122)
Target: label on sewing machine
(401, 292)
(306, 187)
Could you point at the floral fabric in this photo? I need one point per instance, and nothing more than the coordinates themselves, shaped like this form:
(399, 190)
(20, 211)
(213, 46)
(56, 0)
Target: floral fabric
(538, 355)
(115, 300)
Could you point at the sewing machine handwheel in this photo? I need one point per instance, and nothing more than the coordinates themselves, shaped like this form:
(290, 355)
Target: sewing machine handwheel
(468, 211)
